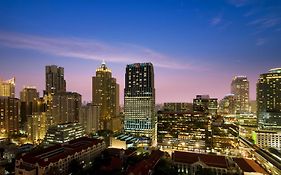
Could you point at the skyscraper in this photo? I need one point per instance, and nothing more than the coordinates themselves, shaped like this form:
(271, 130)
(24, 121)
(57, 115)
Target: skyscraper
(28, 94)
(269, 99)
(139, 101)
(54, 79)
(9, 116)
(240, 89)
(7, 88)
(105, 93)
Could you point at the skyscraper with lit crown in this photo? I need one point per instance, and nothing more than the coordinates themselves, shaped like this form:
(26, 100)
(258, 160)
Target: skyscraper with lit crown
(105, 93)
(139, 100)
(240, 89)
(269, 99)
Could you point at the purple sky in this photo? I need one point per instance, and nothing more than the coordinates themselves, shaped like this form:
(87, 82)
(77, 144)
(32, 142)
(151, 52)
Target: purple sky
(196, 46)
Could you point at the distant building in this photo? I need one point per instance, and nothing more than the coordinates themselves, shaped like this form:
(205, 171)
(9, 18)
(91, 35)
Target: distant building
(9, 116)
(240, 89)
(89, 116)
(268, 139)
(269, 99)
(139, 100)
(105, 91)
(203, 103)
(178, 107)
(57, 159)
(65, 107)
(227, 105)
(62, 133)
(7, 88)
(54, 79)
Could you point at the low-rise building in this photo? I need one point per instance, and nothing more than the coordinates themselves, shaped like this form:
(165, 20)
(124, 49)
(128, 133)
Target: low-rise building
(56, 159)
(266, 139)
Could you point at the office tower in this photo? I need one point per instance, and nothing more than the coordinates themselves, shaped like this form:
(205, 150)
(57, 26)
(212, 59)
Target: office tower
(203, 103)
(54, 79)
(139, 101)
(105, 93)
(36, 127)
(89, 117)
(28, 100)
(227, 105)
(7, 88)
(240, 89)
(9, 116)
(64, 132)
(65, 107)
(269, 99)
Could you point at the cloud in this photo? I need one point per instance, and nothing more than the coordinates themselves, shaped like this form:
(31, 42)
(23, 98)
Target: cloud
(266, 22)
(260, 41)
(216, 20)
(238, 3)
(91, 49)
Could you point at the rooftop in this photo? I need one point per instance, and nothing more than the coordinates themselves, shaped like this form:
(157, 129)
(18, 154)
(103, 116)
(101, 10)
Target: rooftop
(208, 159)
(248, 165)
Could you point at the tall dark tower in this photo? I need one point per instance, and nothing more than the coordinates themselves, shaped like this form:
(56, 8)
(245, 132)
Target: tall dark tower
(139, 100)
(269, 99)
(240, 89)
(106, 95)
(55, 80)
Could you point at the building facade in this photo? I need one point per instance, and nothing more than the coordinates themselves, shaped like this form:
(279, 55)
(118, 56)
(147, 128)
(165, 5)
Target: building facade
(105, 93)
(240, 89)
(9, 116)
(268, 139)
(36, 127)
(227, 105)
(65, 107)
(7, 88)
(57, 159)
(62, 133)
(139, 100)
(89, 116)
(203, 103)
(269, 99)
(54, 79)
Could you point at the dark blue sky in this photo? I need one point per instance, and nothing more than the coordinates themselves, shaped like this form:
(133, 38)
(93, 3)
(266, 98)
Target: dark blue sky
(196, 46)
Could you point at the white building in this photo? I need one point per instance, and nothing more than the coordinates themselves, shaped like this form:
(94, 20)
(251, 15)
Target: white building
(265, 139)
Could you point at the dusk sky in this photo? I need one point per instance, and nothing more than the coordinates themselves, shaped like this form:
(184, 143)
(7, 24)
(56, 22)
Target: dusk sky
(196, 46)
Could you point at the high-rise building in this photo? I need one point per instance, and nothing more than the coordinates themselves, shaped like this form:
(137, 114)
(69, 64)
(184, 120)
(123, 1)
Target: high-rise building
(240, 89)
(269, 99)
(227, 105)
(203, 103)
(139, 101)
(65, 107)
(29, 94)
(7, 88)
(106, 95)
(89, 117)
(178, 107)
(54, 79)
(9, 116)
(36, 127)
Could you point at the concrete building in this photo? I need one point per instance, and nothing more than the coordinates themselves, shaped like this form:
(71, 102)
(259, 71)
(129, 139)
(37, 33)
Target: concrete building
(54, 79)
(267, 139)
(65, 107)
(178, 107)
(89, 116)
(240, 89)
(7, 88)
(139, 100)
(57, 159)
(36, 127)
(105, 93)
(9, 116)
(227, 105)
(269, 99)
(62, 133)
(203, 103)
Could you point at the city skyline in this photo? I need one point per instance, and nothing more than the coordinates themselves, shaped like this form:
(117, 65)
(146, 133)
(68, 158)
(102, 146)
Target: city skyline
(196, 47)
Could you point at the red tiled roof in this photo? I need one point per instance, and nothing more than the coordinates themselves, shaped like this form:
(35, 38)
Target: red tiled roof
(144, 167)
(208, 159)
(59, 151)
(248, 165)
